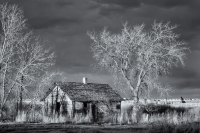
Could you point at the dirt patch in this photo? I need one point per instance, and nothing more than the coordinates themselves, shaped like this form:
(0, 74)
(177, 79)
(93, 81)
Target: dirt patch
(66, 128)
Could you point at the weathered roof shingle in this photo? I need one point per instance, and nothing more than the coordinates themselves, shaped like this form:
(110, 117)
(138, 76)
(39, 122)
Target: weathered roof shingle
(88, 92)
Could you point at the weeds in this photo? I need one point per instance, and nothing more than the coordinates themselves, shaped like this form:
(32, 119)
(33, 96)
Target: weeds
(21, 117)
(171, 128)
(159, 118)
(172, 115)
(55, 119)
(80, 118)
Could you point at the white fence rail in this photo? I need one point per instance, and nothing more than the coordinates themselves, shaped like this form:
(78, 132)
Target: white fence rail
(185, 104)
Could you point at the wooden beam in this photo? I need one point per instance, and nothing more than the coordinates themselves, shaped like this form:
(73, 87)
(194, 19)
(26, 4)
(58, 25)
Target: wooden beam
(73, 108)
(52, 98)
(120, 107)
(47, 106)
(89, 109)
(97, 111)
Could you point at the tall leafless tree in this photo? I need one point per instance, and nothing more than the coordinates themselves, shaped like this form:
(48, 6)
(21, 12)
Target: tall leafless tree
(48, 79)
(137, 56)
(22, 55)
(164, 91)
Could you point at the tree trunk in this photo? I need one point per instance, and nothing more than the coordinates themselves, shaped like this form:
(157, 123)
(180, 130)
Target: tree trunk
(0, 112)
(138, 86)
(20, 100)
(17, 108)
(21, 96)
(135, 98)
(135, 94)
(135, 107)
(0, 102)
(135, 91)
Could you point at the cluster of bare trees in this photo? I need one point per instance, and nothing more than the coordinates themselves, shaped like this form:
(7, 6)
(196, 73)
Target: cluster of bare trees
(137, 57)
(23, 57)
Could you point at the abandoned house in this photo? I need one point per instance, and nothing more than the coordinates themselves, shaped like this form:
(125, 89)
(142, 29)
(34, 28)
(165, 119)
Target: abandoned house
(72, 97)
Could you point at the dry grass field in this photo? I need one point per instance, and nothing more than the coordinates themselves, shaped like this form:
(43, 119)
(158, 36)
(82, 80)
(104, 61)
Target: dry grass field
(151, 118)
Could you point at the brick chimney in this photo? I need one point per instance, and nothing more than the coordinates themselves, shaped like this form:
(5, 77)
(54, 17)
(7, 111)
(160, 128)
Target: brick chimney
(84, 80)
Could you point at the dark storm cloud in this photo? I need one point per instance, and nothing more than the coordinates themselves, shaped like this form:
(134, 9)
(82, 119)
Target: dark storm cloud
(59, 3)
(184, 13)
(65, 24)
(107, 7)
(188, 76)
(159, 3)
(182, 73)
(184, 79)
(44, 13)
(62, 3)
(192, 84)
(169, 3)
(121, 3)
(42, 22)
(176, 11)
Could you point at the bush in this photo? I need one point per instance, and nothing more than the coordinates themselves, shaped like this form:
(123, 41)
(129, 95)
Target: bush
(9, 112)
(171, 128)
(111, 118)
(160, 109)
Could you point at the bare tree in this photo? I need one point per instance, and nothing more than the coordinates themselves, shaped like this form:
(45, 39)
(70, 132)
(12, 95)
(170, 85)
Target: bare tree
(34, 61)
(13, 23)
(22, 56)
(164, 91)
(47, 80)
(138, 57)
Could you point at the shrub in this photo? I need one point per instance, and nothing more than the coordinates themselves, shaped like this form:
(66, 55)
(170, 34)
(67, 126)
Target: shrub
(113, 117)
(9, 112)
(171, 128)
(160, 109)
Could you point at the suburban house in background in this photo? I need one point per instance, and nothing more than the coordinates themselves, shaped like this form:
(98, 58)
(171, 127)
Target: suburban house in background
(72, 97)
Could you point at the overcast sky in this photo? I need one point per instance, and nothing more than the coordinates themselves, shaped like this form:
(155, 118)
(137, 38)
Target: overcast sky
(65, 24)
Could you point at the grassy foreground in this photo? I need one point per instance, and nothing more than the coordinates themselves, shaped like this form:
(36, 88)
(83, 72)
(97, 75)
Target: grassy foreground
(151, 119)
(69, 128)
(93, 128)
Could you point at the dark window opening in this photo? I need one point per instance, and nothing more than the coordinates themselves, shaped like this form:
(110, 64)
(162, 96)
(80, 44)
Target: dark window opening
(118, 106)
(58, 107)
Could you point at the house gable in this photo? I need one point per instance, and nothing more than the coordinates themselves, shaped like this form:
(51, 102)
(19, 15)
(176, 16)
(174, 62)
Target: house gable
(59, 93)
